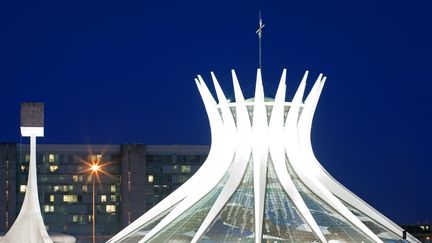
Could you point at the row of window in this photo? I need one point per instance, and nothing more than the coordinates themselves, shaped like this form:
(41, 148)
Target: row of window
(108, 209)
(176, 179)
(67, 188)
(53, 158)
(183, 169)
(74, 198)
(51, 170)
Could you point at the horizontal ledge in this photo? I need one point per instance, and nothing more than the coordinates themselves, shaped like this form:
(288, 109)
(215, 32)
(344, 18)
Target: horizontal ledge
(32, 131)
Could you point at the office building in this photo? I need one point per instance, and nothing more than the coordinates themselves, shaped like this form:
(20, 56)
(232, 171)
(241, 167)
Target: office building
(134, 177)
(423, 232)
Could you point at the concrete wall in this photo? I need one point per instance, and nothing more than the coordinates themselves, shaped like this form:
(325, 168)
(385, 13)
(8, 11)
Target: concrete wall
(133, 182)
(8, 153)
(32, 114)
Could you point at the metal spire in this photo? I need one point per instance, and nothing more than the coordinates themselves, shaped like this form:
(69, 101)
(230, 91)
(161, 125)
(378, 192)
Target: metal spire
(259, 32)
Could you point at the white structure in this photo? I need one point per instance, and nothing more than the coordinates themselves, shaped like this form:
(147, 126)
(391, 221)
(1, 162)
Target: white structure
(29, 226)
(261, 181)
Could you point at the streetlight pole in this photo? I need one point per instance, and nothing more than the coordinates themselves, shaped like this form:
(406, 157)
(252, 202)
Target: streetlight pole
(93, 210)
(94, 170)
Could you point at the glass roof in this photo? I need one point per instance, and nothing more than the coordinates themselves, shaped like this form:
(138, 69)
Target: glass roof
(235, 222)
(282, 222)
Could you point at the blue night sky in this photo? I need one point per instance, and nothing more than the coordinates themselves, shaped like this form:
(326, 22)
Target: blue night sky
(122, 72)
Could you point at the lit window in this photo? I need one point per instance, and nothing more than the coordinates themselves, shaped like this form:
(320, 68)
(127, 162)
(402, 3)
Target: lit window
(74, 218)
(53, 168)
(23, 188)
(49, 208)
(70, 198)
(84, 188)
(94, 158)
(185, 169)
(51, 158)
(180, 178)
(63, 188)
(113, 198)
(110, 208)
(23, 168)
(103, 198)
(82, 219)
(113, 188)
(51, 198)
(27, 157)
(150, 178)
(77, 178)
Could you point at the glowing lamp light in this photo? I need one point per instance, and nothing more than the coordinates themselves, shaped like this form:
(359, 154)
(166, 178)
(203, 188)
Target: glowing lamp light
(95, 168)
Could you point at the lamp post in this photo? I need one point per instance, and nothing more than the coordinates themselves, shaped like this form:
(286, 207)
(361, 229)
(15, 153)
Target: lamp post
(94, 170)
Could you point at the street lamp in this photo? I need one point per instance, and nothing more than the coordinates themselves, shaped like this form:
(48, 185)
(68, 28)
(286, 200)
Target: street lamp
(94, 170)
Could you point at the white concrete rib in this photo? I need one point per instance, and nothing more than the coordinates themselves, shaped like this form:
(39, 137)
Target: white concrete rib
(212, 177)
(319, 190)
(259, 155)
(305, 126)
(241, 160)
(190, 185)
(237, 138)
(277, 152)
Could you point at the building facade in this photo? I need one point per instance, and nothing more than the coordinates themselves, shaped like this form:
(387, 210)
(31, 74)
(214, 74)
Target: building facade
(134, 177)
(423, 232)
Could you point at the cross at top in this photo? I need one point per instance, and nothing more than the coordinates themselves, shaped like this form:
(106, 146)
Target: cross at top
(260, 27)
(259, 32)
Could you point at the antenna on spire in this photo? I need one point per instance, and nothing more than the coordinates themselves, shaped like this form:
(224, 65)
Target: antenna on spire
(259, 32)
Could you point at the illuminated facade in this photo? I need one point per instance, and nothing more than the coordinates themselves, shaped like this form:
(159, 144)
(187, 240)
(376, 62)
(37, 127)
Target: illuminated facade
(65, 187)
(261, 181)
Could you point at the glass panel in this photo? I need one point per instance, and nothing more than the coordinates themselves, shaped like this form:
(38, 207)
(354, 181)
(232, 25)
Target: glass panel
(110, 208)
(333, 225)
(235, 222)
(141, 232)
(183, 228)
(282, 221)
(70, 198)
(385, 235)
